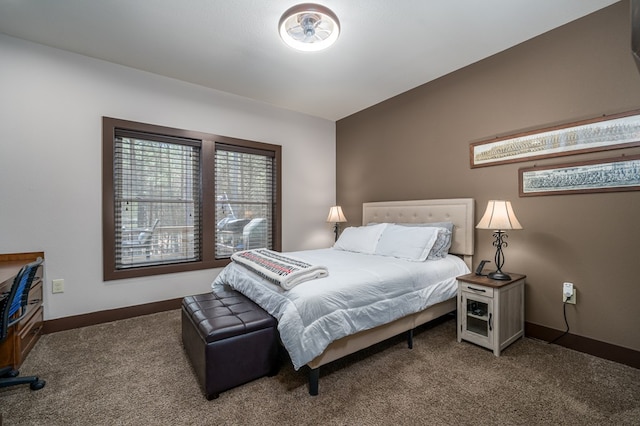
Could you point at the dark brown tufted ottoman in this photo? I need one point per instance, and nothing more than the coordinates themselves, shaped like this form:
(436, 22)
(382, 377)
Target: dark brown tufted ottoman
(229, 339)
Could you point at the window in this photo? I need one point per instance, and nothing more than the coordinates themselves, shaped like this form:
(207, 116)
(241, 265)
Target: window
(245, 199)
(177, 200)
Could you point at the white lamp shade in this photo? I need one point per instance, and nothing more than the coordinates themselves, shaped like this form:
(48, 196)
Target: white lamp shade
(499, 216)
(336, 215)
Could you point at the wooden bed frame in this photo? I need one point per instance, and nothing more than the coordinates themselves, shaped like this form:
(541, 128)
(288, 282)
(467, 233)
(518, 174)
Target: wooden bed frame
(460, 211)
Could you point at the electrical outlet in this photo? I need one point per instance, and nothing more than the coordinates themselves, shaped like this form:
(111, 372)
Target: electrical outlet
(568, 293)
(57, 286)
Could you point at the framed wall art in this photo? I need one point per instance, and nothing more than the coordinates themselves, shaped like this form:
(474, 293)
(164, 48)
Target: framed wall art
(598, 134)
(607, 175)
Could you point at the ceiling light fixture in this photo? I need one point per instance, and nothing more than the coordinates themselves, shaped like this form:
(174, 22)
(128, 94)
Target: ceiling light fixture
(309, 27)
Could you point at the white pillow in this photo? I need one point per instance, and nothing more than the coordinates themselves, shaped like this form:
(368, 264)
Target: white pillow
(407, 243)
(442, 245)
(361, 239)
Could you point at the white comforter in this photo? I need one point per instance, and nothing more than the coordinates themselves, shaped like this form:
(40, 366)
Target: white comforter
(361, 292)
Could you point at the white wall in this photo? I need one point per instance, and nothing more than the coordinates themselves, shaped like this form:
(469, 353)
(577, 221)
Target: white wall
(51, 106)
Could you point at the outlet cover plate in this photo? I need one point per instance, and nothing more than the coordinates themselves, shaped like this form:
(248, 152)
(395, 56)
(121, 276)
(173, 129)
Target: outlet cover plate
(57, 286)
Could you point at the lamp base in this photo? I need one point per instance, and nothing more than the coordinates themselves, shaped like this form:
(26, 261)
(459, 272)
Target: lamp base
(499, 275)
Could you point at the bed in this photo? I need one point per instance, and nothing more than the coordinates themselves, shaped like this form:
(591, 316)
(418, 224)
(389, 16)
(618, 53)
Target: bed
(408, 311)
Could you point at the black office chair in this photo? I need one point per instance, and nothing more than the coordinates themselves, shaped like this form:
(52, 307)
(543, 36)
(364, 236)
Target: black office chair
(13, 307)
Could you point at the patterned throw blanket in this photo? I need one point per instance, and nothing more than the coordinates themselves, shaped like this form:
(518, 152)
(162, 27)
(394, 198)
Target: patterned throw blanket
(283, 270)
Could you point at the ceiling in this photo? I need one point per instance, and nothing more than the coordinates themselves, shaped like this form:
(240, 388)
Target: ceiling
(385, 48)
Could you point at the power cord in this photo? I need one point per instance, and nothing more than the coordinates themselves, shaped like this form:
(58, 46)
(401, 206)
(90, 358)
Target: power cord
(564, 312)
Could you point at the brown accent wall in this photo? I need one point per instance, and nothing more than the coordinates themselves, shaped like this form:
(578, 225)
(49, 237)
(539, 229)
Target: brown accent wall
(416, 145)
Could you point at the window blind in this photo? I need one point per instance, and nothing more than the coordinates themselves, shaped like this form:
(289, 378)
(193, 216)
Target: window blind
(157, 200)
(245, 189)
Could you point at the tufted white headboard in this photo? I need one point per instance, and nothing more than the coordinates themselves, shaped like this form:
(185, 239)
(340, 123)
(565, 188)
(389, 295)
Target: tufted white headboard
(460, 211)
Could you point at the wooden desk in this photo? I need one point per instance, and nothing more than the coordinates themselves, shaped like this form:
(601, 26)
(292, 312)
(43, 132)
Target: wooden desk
(23, 336)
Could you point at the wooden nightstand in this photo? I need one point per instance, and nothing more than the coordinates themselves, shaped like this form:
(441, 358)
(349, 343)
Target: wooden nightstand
(490, 312)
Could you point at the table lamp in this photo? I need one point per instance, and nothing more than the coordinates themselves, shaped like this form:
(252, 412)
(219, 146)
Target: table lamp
(336, 216)
(499, 216)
